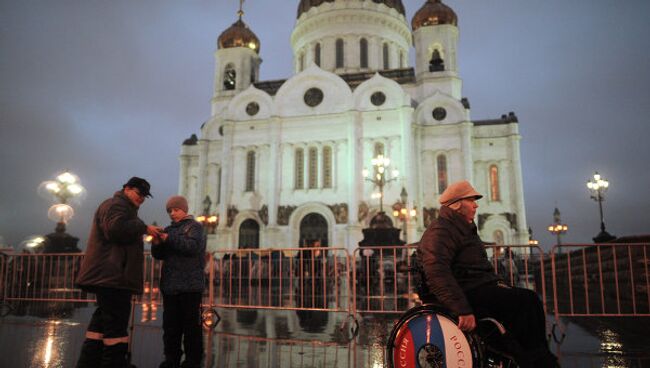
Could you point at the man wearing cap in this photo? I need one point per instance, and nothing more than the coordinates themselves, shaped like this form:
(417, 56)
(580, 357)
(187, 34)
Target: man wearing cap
(112, 270)
(458, 275)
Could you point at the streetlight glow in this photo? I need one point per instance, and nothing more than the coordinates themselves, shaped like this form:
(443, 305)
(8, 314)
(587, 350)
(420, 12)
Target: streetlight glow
(598, 186)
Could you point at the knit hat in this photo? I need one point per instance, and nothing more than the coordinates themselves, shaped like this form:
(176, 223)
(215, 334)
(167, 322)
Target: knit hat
(457, 191)
(177, 202)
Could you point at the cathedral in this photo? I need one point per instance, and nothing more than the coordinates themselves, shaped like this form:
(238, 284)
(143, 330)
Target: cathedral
(356, 130)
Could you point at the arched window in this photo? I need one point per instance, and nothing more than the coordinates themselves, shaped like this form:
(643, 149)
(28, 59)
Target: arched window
(229, 77)
(249, 234)
(385, 53)
(443, 179)
(299, 161)
(252, 70)
(301, 62)
(497, 237)
(339, 53)
(495, 195)
(363, 53)
(313, 168)
(250, 171)
(327, 167)
(379, 149)
(317, 54)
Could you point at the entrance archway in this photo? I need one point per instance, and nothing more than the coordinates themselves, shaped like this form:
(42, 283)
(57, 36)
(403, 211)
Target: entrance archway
(313, 227)
(249, 235)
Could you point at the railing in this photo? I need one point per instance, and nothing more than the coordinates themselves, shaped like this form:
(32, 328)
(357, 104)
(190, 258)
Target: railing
(601, 280)
(587, 279)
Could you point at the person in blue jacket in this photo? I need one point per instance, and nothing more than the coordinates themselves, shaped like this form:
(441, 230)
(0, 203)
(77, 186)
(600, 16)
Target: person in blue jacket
(182, 249)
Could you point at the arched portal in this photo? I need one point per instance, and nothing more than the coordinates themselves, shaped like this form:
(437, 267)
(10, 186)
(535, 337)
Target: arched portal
(313, 227)
(249, 235)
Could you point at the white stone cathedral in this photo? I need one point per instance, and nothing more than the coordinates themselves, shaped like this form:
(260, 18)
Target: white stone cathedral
(281, 162)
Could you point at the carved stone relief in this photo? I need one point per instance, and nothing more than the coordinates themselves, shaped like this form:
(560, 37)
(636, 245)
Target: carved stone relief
(363, 211)
(231, 213)
(340, 211)
(264, 214)
(284, 212)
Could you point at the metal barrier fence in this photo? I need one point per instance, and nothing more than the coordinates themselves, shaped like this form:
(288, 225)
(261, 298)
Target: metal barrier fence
(290, 278)
(586, 279)
(600, 280)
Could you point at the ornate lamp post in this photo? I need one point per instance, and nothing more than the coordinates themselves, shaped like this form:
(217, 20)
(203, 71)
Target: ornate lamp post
(557, 228)
(401, 211)
(598, 186)
(380, 178)
(65, 188)
(209, 221)
(531, 241)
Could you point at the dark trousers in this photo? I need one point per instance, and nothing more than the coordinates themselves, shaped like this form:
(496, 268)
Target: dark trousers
(111, 318)
(182, 321)
(520, 310)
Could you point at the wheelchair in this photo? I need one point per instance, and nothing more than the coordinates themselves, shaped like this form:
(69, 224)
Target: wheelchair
(427, 336)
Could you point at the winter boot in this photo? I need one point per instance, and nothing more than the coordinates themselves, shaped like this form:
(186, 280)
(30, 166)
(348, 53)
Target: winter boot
(91, 353)
(115, 356)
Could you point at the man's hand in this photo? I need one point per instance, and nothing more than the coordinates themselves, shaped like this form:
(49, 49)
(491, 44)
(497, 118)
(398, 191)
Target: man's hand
(163, 236)
(154, 231)
(467, 322)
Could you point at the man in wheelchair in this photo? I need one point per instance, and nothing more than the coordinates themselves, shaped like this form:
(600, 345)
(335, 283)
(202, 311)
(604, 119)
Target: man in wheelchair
(458, 275)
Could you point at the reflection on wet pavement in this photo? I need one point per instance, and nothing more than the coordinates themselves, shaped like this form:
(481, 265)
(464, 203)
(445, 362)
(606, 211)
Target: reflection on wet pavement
(280, 338)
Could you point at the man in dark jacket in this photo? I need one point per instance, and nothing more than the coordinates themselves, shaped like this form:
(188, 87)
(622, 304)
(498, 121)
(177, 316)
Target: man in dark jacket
(459, 275)
(112, 270)
(182, 248)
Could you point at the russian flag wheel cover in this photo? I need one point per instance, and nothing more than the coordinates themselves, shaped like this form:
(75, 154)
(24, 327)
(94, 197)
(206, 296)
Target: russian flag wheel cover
(424, 338)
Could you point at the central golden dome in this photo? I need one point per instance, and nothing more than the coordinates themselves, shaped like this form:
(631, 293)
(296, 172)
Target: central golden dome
(239, 35)
(433, 13)
(305, 5)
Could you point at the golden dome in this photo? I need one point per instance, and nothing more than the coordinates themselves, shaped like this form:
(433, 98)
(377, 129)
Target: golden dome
(305, 5)
(433, 13)
(239, 35)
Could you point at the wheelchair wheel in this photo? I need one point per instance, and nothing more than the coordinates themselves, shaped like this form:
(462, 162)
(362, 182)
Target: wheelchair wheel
(428, 337)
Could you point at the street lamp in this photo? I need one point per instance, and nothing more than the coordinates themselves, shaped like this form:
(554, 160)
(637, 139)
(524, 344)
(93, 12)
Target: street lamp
(598, 186)
(64, 189)
(532, 241)
(380, 178)
(557, 228)
(401, 211)
(209, 221)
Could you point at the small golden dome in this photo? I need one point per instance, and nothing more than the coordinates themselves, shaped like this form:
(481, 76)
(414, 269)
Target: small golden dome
(433, 13)
(239, 35)
(305, 5)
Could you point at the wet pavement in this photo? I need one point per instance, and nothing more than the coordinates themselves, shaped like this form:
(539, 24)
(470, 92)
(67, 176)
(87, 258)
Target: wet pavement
(30, 337)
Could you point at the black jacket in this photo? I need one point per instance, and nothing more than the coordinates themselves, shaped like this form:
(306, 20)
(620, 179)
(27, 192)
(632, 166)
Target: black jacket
(183, 254)
(454, 260)
(114, 253)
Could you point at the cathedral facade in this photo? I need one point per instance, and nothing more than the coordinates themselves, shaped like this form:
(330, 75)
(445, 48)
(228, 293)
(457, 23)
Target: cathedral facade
(282, 163)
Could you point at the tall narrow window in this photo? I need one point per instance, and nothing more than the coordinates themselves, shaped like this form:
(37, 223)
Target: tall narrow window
(299, 161)
(339, 53)
(301, 62)
(497, 237)
(494, 183)
(401, 59)
(250, 171)
(252, 70)
(327, 167)
(379, 149)
(317, 54)
(386, 61)
(363, 53)
(229, 77)
(313, 168)
(443, 179)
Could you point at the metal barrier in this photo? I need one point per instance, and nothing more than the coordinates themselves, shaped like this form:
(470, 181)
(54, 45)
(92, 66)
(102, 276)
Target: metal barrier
(382, 281)
(315, 279)
(601, 280)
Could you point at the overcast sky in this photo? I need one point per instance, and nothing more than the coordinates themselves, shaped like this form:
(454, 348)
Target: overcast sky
(110, 89)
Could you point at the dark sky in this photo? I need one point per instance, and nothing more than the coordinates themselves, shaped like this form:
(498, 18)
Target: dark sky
(110, 89)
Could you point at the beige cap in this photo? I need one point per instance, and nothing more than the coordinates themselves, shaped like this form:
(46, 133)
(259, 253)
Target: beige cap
(457, 191)
(177, 202)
